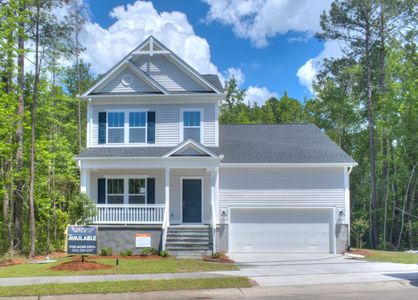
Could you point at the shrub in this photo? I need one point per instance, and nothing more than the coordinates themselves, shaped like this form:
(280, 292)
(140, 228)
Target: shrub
(216, 255)
(358, 228)
(153, 251)
(146, 251)
(107, 251)
(127, 252)
(163, 253)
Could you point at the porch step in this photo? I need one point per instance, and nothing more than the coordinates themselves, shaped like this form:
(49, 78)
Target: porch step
(184, 240)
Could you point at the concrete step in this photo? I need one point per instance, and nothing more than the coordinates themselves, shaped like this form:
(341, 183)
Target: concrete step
(188, 236)
(190, 248)
(187, 243)
(186, 239)
(189, 255)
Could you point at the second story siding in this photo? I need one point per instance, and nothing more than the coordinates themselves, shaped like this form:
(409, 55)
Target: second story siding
(168, 118)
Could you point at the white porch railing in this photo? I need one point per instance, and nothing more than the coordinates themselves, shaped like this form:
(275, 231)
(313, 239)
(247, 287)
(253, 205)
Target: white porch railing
(129, 214)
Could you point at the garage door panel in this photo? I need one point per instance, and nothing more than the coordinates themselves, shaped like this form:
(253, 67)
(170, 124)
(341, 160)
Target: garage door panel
(280, 230)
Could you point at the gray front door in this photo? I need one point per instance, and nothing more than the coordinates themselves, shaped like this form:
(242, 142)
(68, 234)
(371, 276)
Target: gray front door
(192, 200)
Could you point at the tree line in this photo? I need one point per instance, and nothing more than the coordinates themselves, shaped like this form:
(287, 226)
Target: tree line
(366, 101)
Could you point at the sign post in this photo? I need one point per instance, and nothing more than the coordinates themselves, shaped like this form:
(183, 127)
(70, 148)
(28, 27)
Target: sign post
(81, 240)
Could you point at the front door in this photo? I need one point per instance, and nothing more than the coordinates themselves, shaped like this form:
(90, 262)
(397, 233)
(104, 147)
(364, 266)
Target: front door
(192, 200)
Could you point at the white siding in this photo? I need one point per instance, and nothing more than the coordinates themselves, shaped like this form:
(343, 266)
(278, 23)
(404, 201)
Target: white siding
(157, 174)
(167, 131)
(167, 74)
(175, 191)
(137, 85)
(281, 187)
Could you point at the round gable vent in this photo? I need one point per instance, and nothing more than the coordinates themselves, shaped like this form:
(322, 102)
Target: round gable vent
(126, 79)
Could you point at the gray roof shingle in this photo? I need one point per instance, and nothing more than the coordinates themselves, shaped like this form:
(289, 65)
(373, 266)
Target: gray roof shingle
(294, 143)
(214, 80)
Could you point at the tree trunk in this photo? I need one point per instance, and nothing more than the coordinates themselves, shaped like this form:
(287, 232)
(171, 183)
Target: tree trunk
(370, 121)
(18, 191)
(33, 145)
(411, 176)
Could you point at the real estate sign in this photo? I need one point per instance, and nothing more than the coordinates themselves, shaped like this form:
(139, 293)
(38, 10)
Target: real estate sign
(81, 239)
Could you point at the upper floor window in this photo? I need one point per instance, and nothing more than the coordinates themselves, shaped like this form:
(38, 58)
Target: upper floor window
(192, 125)
(129, 127)
(115, 127)
(126, 191)
(137, 127)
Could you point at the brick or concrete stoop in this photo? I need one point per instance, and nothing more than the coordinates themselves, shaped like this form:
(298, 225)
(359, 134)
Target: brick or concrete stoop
(188, 242)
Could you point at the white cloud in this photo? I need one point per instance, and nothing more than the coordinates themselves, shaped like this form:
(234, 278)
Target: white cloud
(236, 73)
(134, 23)
(309, 70)
(258, 20)
(258, 94)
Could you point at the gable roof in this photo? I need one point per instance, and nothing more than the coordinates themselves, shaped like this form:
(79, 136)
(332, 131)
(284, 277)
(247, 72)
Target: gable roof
(282, 144)
(149, 48)
(183, 149)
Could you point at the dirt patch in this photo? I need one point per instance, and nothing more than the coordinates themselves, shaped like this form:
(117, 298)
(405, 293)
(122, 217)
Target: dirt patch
(80, 266)
(221, 259)
(11, 262)
(361, 252)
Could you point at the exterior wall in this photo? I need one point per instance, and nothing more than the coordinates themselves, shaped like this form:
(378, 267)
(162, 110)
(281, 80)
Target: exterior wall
(167, 123)
(154, 173)
(167, 74)
(137, 85)
(175, 193)
(121, 238)
(281, 187)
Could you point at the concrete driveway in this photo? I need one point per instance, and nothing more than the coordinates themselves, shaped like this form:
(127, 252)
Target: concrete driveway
(284, 269)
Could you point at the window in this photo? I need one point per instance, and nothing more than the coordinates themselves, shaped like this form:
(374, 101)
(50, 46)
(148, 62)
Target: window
(137, 191)
(115, 193)
(191, 125)
(137, 127)
(115, 127)
(126, 191)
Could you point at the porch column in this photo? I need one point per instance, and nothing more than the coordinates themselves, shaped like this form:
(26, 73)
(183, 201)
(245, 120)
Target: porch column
(84, 180)
(166, 221)
(213, 194)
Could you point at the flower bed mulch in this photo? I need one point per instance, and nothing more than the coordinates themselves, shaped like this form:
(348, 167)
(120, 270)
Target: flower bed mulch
(221, 259)
(77, 265)
(11, 262)
(145, 257)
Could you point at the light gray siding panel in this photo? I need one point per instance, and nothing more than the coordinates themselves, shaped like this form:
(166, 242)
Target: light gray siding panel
(167, 74)
(167, 127)
(175, 193)
(137, 85)
(283, 187)
(152, 173)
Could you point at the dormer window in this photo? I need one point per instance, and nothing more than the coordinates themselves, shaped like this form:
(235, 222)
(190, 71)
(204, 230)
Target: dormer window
(191, 120)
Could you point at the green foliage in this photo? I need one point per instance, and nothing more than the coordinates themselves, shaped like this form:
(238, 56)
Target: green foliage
(163, 253)
(149, 251)
(106, 251)
(127, 252)
(358, 230)
(81, 209)
(216, 255)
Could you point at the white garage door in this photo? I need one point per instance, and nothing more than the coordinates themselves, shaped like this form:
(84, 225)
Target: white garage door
(281, 230)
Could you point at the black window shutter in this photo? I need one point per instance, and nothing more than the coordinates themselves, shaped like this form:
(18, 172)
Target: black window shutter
(101, 190)
(151, 190)
(102, 127)
(151, 127)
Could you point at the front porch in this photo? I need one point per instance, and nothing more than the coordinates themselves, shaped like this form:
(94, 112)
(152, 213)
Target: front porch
(168, 197)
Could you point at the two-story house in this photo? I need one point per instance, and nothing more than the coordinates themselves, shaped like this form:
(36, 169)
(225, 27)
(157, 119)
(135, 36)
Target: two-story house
(159, 163)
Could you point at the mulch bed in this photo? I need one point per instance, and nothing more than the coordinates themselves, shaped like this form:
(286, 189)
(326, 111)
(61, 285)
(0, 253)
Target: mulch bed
(52, 255)
(11, 262)
(140, 257)
(221, 259)
(80, 266)
(361, 252)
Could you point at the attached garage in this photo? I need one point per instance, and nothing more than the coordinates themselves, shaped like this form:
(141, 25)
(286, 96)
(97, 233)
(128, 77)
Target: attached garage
(282, 230)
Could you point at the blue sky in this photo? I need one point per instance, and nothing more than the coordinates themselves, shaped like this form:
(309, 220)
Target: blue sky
(262, 42)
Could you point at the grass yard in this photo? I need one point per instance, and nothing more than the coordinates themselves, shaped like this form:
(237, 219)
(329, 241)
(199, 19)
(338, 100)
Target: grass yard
(126, 266)
(123, 286)
(388, 256)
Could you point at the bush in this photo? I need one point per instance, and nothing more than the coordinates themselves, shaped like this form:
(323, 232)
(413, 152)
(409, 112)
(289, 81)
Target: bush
(81, 209)
(107, 251)
(153, 251)
(163, 253)
(146, 252)
(216, 255)
(358, 228)
(127, 252)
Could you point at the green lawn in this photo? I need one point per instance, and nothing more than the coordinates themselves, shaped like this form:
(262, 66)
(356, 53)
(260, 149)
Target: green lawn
(126, 266)
(123, 286)
(388, 256)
